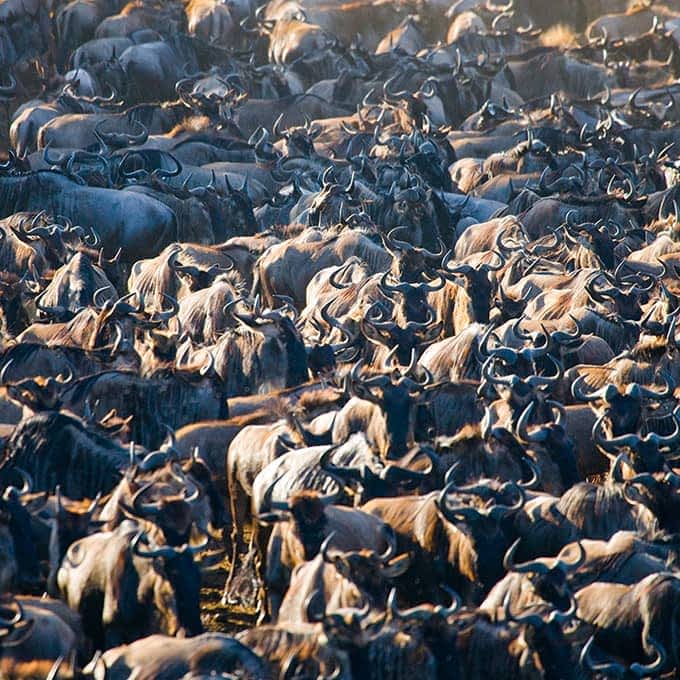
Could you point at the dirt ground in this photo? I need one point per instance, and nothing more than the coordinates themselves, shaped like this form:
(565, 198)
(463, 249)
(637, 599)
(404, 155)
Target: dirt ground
(227, 618)
(217, 617)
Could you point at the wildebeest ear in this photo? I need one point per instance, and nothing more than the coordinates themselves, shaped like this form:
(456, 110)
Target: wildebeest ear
(315, 607)
(397, 566)
(35, 505)
(342, 566)
(285, 443)
(128, 511)
(272, 517)
(19, 634)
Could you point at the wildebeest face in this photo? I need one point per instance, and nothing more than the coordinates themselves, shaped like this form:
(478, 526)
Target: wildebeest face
(552, 587)
(185, 577)
(175, 520)
(408, 266)
(241, 212)
(624, 413)
(367, 570)
(411, 208)
(399, 409)
(321, 360)
(18, 522)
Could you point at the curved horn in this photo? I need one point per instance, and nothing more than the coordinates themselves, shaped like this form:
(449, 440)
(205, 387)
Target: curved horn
(653, 669)
(8, 91)
(573, 566)
(535, 566)
(607, 670)
(611, 445)
(522, 427)
(144, 509)
(165, 551)
(16, 619)
(527, 619)
(580, 395)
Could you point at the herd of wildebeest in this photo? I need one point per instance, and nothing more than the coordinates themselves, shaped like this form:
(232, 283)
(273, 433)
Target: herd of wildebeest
(372, 306)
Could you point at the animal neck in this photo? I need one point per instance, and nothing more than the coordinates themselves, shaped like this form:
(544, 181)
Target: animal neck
(14, 194)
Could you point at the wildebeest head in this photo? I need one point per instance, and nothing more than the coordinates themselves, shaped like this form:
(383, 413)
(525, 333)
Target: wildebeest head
(307, 510)
(422, 108)
(239, 206)
(230, 210)
(299, 139)
(409, 261)
(39, 393)
(623, 409)
(183, 576)
(626, 298)
(279, 319)
(321, 360)
(60, 239)
(397, 399)
(168, 501)
(487, 531)
(71, 522)
(114, 322)
(377, 479)
(645, 453)
(551, 437)
(480, 458)
(611, 668)
(544, 636)
(334, 199)
(13, 294)
(370, 571)
(411, 206)
(479, 283)
(323, 355)
(519, 391)
(595, 237)
(200, 278)
(72, 288)
(549, 581)
(402, 341)
(413, 304)
(16, 506)
(659, 493)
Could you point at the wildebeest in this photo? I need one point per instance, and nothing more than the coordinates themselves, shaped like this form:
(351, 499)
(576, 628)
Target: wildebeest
(377, 302)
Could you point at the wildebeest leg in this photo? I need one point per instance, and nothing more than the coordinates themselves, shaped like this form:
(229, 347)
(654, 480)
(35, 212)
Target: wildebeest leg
(261, 535)
(274, 604)
(238, 506)
(90, 610)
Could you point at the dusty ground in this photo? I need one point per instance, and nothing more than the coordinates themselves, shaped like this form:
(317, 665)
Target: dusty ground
(217, 617)
(229, 618)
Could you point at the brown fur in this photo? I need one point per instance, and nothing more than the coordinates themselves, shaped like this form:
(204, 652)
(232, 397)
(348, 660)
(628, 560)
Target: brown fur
(560, 35)
(307, 508)
(636, 6)
(190, 124)
(313, 397)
